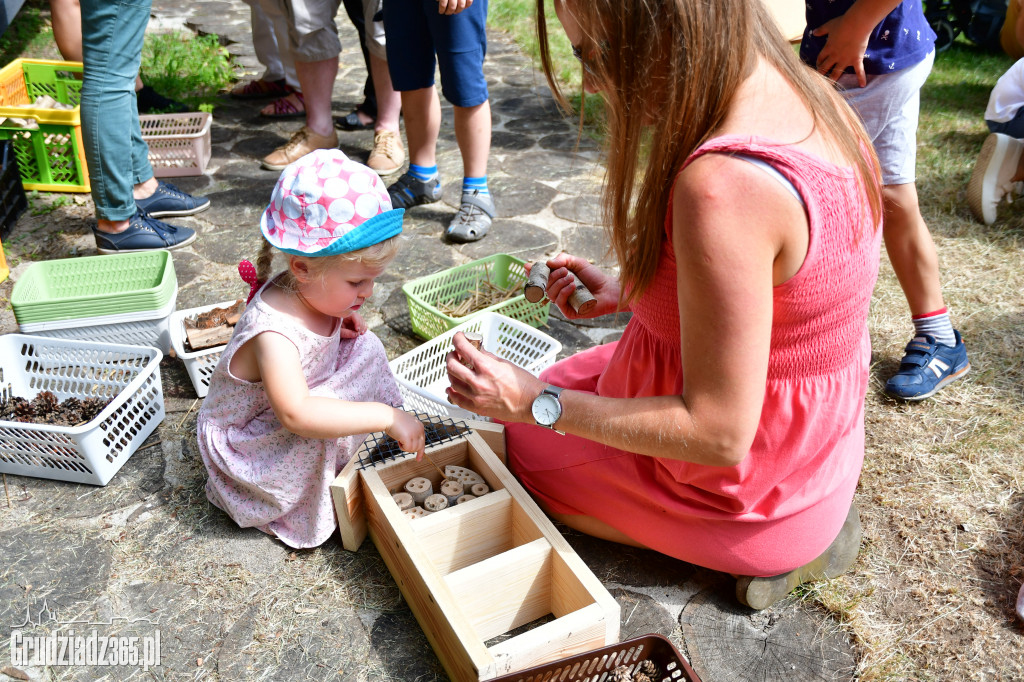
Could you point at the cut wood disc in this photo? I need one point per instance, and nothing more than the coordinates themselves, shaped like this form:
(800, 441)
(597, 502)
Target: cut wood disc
(479, 489)
(728, 641)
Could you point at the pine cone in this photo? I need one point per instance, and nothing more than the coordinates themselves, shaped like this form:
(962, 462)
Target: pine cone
(92, 407)
(649, 668)
(23, 411)
(621, 674)
(640, 677)
(45, 403)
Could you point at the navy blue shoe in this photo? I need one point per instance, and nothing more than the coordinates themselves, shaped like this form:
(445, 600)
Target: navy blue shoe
(927, 367)
(144, 233)
(168, 201)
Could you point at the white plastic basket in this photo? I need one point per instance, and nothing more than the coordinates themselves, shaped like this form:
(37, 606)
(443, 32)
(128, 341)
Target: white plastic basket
(201, 363)
(150, 328)
(423, 378)
(95, 451)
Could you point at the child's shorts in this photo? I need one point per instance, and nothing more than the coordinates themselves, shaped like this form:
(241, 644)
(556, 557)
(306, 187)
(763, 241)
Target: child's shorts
(889, 106)
(416, 33)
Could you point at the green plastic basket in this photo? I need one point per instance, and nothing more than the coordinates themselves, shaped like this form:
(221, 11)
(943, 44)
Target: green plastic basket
(51, 157)
(94, 286)
(426, 294)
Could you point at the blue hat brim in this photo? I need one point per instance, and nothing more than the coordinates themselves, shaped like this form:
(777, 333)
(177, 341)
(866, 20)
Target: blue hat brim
(379, 228)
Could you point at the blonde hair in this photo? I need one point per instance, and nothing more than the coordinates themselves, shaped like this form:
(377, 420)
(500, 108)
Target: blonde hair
(377, 255)
(685, 60)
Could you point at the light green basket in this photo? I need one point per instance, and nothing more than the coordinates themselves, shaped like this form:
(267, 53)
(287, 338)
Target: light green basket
(426, 294)
(94, 286)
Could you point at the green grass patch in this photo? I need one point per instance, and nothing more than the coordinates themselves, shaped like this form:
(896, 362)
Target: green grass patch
(516, 17)
(186, 67)
(29, 33)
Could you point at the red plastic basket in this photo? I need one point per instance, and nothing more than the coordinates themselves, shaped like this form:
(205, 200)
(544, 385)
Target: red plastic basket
(598, 665)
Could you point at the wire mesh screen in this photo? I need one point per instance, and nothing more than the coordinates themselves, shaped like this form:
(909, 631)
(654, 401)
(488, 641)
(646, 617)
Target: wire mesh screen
(379, 448)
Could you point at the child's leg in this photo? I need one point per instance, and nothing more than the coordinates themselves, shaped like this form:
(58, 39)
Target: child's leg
(422, 109)
(461, 46)
(911, 249)
(473, 133)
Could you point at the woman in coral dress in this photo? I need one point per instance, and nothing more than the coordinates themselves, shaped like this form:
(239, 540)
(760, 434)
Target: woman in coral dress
(726, 426)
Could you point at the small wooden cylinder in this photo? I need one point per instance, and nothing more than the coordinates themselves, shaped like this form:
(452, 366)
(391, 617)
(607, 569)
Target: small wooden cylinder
(465, 498)
(537, 283)
(403, 500)
(479, 489)
(415, 512)
(581, 300)
(477, 340)
(420, 489)
(435, 503)
(451, 490)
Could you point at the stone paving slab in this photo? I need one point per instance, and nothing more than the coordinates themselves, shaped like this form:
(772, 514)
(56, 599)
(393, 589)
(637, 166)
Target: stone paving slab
(147, 552)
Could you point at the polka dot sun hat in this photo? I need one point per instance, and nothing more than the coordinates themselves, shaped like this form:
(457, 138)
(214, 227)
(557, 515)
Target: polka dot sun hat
(325, 204)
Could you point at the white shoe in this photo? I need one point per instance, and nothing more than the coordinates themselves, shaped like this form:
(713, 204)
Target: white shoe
(991, 179)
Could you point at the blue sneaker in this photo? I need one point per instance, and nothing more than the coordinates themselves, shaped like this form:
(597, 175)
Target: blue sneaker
(927, 367)
(168, 201)
(144, 233)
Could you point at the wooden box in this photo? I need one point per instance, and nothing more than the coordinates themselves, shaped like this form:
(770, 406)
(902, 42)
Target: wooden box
(474, 572)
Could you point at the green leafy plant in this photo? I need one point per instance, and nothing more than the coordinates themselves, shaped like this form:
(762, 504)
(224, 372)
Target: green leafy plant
(45, 204)
(186, 67)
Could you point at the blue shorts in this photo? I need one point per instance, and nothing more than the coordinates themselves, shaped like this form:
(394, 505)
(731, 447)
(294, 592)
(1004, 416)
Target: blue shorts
(416, 33)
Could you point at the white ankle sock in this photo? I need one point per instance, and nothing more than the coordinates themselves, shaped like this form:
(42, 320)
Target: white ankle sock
(937, 325)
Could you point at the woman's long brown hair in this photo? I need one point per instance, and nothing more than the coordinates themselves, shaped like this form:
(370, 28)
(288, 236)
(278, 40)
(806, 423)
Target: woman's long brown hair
(670, 69)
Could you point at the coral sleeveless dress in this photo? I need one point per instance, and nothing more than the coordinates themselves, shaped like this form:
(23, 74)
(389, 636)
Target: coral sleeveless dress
(785, 503)
(260, 473)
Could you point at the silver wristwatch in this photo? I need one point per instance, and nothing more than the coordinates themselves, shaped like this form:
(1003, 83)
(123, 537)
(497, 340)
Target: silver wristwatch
(547, 408)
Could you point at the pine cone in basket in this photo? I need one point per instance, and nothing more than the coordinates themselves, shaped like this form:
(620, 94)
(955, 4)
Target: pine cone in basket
(92, 407)
(621, 674)
(45, 404)
(640, 677)
(649, 668)
(23, 410)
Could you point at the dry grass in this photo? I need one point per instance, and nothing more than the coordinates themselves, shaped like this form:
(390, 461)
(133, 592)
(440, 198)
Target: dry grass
(941, 493)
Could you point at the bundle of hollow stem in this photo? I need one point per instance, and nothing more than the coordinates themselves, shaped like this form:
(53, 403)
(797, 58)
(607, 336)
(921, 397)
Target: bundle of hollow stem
(484, 294)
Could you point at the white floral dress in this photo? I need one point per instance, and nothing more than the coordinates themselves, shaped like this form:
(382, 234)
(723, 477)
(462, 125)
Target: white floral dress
(263, 475)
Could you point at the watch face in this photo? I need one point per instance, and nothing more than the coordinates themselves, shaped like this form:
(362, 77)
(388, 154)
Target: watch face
(546, 409)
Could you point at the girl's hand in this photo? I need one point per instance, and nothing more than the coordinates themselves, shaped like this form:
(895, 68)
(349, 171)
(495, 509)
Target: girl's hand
(489, 385)
(408, 431)
(352, 326)
(562, 283)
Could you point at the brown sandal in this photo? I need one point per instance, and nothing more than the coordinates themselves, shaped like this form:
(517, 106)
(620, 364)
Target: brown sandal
(284, 108)
(261, 89)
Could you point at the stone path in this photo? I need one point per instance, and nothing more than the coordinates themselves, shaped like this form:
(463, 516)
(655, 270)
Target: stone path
(148, 553)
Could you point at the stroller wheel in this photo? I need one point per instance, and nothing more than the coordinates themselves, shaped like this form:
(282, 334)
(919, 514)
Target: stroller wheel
(945, 34)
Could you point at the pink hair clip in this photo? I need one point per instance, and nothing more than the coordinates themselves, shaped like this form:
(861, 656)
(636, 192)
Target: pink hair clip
(247, 271)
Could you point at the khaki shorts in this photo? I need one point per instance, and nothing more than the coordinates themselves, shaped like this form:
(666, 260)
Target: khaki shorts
(312, 33)
(374, 30)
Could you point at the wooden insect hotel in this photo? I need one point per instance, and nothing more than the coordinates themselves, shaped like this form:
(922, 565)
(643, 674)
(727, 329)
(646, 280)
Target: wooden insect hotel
(493, 584)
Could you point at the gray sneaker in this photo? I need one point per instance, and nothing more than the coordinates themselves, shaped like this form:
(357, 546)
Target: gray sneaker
(473, 220)
(409, 191)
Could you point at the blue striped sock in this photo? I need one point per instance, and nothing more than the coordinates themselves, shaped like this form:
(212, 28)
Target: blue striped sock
(423, 173)
(469, 185)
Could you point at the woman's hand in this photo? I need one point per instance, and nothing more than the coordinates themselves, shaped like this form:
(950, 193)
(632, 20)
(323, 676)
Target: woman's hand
(352, 326)
(565, 269)
(408, 431)
(489, 385)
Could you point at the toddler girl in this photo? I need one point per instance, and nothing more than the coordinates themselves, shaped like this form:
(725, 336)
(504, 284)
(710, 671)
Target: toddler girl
(301, 383)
